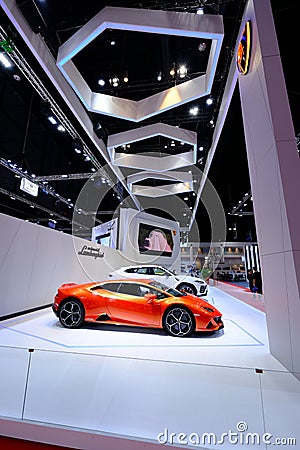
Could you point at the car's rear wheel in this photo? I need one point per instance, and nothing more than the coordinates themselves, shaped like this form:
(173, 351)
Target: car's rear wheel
(71, 313)
(186, 287)
(179, 321)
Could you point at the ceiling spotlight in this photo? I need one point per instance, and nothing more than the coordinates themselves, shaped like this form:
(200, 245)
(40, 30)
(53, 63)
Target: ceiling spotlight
(93, 169)
(159, 76)
(114, 81)
(201, 148)
(182, 72)
(172, 71)
(202, 46)
(61, 128)
(112, 42)
(87, 158)
(101, 82)
(126, 79)
(5, 61)
(194, 111)
(17, 77)
(77, 145)
(200, 11)
(52, 120)
(209, 101)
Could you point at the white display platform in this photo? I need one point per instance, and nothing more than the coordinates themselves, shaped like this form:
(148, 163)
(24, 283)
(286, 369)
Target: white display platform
(136, 383)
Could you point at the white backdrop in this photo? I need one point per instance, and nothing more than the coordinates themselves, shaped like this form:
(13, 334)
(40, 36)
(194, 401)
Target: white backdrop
(35, 261)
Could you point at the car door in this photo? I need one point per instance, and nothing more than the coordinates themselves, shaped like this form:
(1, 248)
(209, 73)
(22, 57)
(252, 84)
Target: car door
(130, 305)
(98, 301)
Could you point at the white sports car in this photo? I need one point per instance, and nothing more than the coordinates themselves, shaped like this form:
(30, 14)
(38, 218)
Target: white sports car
(184, 282)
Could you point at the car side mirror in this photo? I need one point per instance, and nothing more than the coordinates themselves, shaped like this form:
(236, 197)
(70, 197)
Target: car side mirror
(150, 297)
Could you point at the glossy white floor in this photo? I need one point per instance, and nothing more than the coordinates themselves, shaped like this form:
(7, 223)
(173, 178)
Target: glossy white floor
(139, 383)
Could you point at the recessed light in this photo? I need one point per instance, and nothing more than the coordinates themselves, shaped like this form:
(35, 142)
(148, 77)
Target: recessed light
(101, 82)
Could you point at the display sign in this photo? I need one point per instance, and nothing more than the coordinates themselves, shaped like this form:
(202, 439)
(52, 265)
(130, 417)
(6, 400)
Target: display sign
(106, 233)
(155, 240)
(244, 50)
(29, 187)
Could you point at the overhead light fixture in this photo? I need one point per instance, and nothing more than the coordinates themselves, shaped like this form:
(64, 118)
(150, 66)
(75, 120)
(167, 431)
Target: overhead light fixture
(159, 76)
(93, 169)
(209, 101)
(202, 46)
(101, 82)
(201, 148)
(112, 42)
(87, 158)
(77, 145)
(61, 128)
(182, 72)
(52, 120)
(172, 71)
(126, 79)
(194, 111)
(200, 11)
(114, 81)
(5, 61)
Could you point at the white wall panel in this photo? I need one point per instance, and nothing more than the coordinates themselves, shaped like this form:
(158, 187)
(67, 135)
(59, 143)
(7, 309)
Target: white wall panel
(138, 398)
(13, 372)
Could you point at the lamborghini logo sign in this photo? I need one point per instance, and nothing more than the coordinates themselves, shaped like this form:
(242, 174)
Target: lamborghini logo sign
(244, 50)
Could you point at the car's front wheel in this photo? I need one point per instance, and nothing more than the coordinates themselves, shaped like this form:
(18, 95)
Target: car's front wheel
(179, 321)
(186, 287)
(71, 313)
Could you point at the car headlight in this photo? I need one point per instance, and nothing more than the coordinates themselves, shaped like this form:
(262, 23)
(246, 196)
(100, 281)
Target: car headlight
(207, 308)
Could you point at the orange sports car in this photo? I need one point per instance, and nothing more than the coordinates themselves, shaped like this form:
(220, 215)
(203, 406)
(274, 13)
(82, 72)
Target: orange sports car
(145, 303)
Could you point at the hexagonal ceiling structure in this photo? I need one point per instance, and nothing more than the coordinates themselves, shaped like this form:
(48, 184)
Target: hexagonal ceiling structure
(144, 21)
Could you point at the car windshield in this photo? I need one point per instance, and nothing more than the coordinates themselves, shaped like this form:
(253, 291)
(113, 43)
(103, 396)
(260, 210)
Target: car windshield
(167, 289)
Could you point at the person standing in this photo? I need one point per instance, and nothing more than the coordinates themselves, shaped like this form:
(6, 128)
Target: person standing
(250, 278)
(257, 281)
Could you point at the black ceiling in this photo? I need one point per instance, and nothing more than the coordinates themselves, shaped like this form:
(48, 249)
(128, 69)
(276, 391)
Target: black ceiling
(30, 141)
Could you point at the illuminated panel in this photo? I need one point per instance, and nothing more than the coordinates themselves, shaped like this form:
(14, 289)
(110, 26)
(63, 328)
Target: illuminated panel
(244, 50)
(144, 21)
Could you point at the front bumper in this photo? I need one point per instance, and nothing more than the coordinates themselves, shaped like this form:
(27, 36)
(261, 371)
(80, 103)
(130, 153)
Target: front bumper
(214, 324)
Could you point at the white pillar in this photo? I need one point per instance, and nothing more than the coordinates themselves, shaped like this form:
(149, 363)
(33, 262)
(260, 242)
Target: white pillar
(274, 168)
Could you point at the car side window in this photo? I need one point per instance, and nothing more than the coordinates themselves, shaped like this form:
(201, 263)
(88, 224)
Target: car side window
(131, 270)
(130, 289)
(148, 290)
(142, 271)
(112, 287)
(159, 271)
